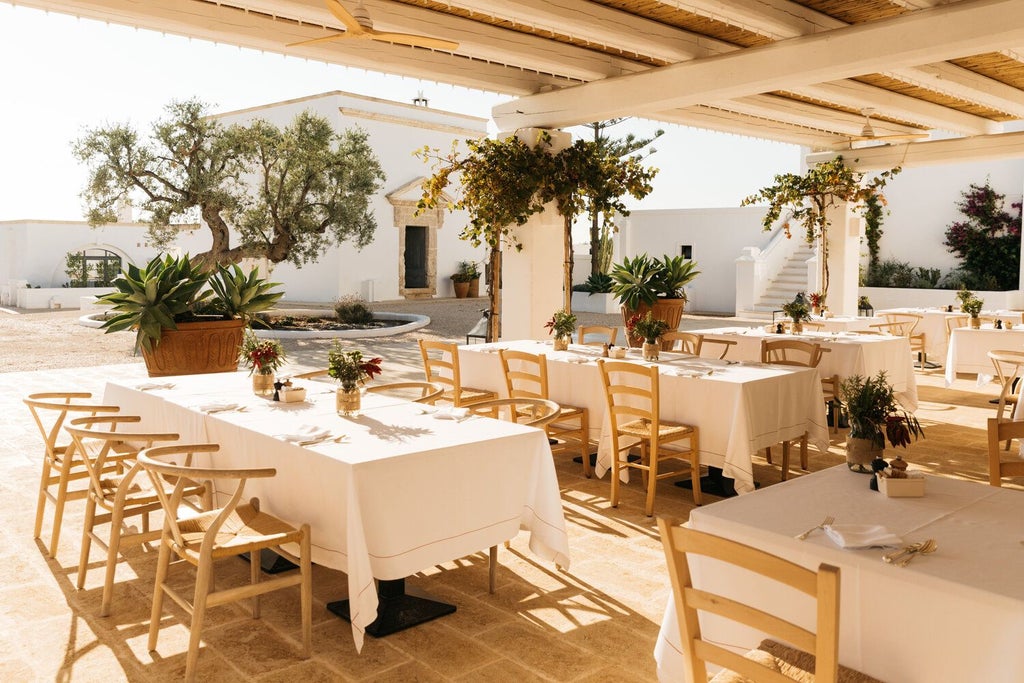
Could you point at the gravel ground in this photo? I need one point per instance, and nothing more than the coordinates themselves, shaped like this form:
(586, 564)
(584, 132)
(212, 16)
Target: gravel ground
(39, 340)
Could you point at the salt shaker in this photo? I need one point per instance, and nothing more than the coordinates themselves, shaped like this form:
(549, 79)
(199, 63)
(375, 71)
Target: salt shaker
(604, 350)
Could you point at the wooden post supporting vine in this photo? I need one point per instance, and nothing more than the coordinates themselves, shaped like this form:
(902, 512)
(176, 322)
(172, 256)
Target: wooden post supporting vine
(810, 196)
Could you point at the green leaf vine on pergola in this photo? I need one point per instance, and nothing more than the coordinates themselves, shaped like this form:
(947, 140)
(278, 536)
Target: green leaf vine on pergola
(810, 196)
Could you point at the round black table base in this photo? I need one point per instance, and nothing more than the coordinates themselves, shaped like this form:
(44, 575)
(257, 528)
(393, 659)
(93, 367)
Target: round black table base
(713, 483)
(397, 610)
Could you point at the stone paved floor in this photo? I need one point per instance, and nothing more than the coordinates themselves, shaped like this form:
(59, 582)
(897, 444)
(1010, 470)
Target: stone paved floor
(597, 622)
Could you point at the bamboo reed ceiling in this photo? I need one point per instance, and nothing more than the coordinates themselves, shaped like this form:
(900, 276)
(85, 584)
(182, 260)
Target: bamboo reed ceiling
(523, 47)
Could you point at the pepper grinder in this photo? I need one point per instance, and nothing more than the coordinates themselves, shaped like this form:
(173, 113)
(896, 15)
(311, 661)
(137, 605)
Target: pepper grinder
(877, 465)
(604, 350)
(779, 329)
(277, 390)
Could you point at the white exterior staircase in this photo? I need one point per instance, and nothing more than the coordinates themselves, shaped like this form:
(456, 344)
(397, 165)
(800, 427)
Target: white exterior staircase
(782, 285)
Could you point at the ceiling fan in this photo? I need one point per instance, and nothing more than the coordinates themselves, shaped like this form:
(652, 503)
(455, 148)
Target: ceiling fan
(358, 24)
(867, 133)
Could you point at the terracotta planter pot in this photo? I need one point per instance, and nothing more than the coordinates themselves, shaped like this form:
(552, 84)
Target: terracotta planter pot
(196, 348)
(474, 288)
(860, 453)
(461, 289)
(669, 310)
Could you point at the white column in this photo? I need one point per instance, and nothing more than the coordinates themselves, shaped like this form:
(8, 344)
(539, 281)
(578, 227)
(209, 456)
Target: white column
(843, 259)
(532, 278)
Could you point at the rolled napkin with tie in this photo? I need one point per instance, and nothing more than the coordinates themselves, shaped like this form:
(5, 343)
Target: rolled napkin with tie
(216, 406)
(450, 413)
(305, 433)
(146, 386)
(854, 536)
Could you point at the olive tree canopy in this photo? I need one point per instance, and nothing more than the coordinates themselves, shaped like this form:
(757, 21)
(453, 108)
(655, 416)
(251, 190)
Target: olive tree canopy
(288, 194)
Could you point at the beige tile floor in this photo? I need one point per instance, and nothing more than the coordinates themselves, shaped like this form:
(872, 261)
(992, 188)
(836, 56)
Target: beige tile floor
(597, 622)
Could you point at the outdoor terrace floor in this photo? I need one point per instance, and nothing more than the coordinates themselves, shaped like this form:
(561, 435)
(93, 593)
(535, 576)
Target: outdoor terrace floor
(597, 622)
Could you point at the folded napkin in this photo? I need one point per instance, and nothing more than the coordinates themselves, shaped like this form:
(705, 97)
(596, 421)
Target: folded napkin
(306, 432)
(450, 413)
(861, 536)
(145, 386)
(216, 406)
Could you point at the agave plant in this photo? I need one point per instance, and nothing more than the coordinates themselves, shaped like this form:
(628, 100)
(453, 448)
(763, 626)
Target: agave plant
(171, 290)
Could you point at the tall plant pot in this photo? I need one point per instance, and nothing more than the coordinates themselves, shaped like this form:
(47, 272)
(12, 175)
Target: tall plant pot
(669, 310)
(196, 348)
(461, 289)
(474, 288)
(860, 453)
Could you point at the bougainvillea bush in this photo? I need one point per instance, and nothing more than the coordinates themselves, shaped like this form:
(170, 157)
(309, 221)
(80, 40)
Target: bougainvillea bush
(987, 241)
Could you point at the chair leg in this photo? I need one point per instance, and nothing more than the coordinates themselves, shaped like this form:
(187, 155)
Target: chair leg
(615, 473)
(41, 502)
(58, 508)
(162, 563)
(803, 452)
(785, 460)
(254, 579)
(492, 569)
(768, 454)
(306, 591)
(87, 527)
(652, 482)
(698, 495)
(113, 550)
(204, 573)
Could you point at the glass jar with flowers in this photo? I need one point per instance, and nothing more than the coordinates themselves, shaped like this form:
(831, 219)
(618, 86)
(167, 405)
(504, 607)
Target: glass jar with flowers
(562, 325)
(650, 330)
(263, 357)
(875, 416)
(817, 300)
(352, 370)
(798, 311)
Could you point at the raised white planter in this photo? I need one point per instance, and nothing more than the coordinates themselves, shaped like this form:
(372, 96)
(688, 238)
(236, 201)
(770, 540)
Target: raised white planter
(893, 297)
(594, 303)
(57, 297)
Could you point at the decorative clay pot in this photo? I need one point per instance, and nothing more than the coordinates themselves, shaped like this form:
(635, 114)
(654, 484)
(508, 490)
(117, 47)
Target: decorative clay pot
(561, 343)
(196, 347)
(650, 350)
(348, 401)
(860, 453)
(263, 384)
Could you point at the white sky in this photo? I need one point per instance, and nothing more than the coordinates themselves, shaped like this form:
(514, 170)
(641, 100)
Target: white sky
(61, 75)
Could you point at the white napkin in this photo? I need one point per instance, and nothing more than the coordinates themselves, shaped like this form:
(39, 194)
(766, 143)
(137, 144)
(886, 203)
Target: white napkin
(862, 536)
(450, 413)
(306, 432)
(145, 386)
(216, 406)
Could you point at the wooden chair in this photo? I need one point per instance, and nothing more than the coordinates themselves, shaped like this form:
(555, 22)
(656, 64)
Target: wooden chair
(796, 352)
(532, 411)
(634, 412)
(419, 392)
(917, 339)
(813, 326)
(1003, 430)
(607, 335)
(1009, 367)
(821, 585)
(118, 497)
(526, 376)
(61, 464)
(441, 366)
(955, 321)
(692, 342)
(226, 531)
(314, 374)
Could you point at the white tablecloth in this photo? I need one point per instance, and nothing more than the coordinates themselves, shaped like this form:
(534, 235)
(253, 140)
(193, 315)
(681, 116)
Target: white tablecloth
(968, 350)
(739, 408)
(954, 615)
(848, 354)
(933, 324)
(846, 323)
(403, 491)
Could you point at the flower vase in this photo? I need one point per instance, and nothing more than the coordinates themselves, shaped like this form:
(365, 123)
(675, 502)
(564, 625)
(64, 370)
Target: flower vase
(860, 453)
(975, 322)
(348, 401)
(815, 310)
(650, 350)
(798, 328)
(263, 383)
(561, 343)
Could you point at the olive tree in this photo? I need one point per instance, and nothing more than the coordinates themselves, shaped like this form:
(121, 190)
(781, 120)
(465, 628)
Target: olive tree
(285, 195)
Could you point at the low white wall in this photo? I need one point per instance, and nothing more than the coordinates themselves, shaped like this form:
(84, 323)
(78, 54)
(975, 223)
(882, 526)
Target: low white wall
(594, 303)
(892, 297)
(57, 297)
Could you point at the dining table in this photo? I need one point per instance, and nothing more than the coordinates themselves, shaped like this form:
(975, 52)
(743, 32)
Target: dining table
(969, 347)
(956, 614)
(845, 323)
(388, 492)
(739, 407)
(933, 324)
(845, 354)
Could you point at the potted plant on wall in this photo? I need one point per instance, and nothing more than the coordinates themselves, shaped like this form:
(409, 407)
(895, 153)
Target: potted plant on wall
(645, 284)
(187, 321)
(874, 415)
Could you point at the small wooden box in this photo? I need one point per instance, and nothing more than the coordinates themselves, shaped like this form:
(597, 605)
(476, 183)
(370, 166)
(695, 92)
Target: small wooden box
(911, 487)
(292, 395)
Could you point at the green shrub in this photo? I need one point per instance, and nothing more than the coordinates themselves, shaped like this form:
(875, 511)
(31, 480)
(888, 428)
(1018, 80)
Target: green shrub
(352, 310)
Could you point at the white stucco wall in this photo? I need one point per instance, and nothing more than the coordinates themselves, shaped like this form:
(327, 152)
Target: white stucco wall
(717, 237)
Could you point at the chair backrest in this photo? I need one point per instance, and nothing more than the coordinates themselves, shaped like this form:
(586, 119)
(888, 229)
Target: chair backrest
(632, 392)
(533, 412)
(1009, 366)
(813, 326)
(420, 392)
(99, 442)
(605, 333)
(172, 482)
(51, 408)
(955, 321)
(441, 363)
(791, 352)
(908, 321)
(313, 374)
(685, 342)
(526, 374)
(822, 585)
(998, 432)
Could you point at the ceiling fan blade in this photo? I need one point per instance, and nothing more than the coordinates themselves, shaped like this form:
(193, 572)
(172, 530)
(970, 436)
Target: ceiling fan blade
(343, 15)
(414, 40)
(314, 41)
(902, 136)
